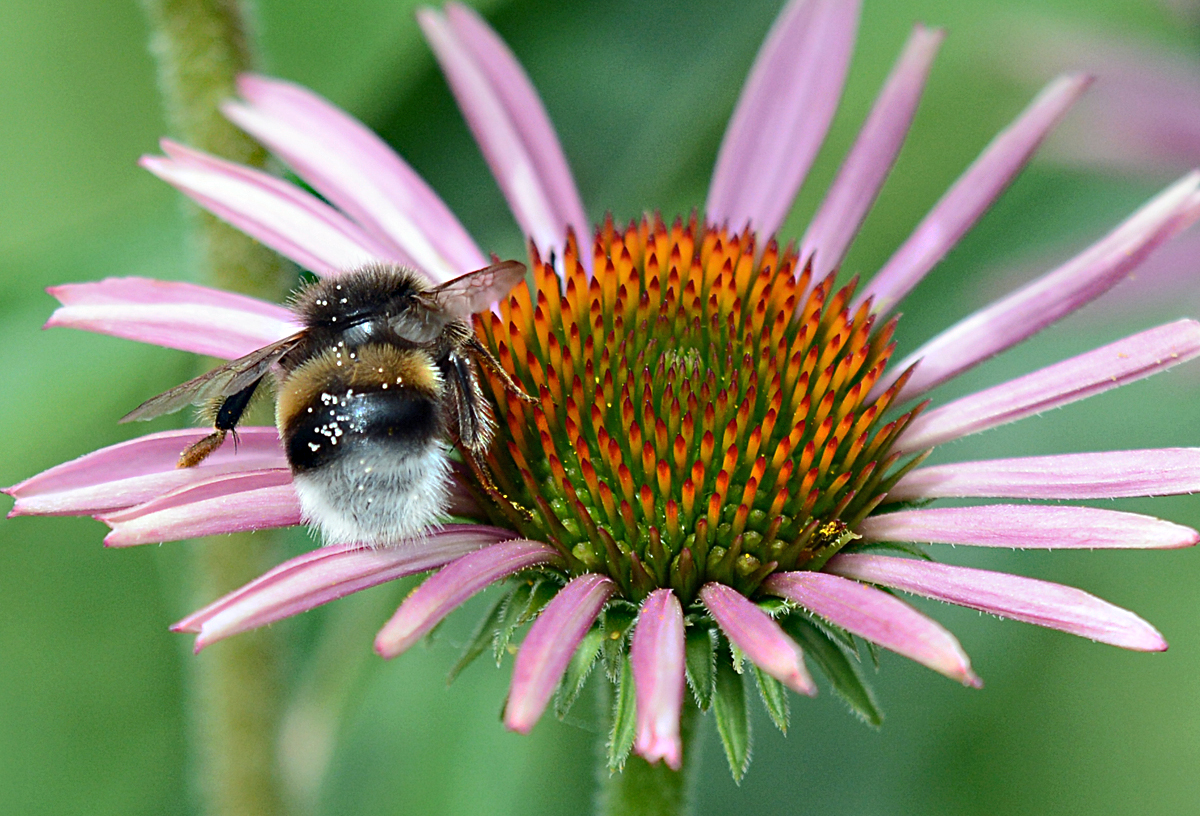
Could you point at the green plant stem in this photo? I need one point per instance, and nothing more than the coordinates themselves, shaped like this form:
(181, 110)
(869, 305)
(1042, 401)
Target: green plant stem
(234, 691)
(200, 47)
(642, 789)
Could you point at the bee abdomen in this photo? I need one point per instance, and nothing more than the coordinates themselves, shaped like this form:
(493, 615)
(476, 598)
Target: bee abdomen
(371, 467)
(363, 431)
(402, 422)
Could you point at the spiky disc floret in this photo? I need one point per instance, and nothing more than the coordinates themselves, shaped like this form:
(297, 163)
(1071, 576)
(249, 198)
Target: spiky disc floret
(702, 411)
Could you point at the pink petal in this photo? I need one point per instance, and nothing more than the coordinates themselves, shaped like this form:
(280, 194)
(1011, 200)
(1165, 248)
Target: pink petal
(1025, 599)
(510, 124)
(1092, 373)
(549, 646)
(443, 592)
(326, 574)
(139, 470)
(1143, 116)
(1104, 475)
(176, 315)
(783, 114)
(972, 194)
(1035, 306)
(1166, 276)
(357, 172)
(656, 652)
(878, 617)
(282, 216)
(1028, 527)
(759, 637)
(229, 503)
(870, 160)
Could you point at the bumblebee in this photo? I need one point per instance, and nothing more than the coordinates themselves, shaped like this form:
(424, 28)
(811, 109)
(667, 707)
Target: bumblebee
(371, 392)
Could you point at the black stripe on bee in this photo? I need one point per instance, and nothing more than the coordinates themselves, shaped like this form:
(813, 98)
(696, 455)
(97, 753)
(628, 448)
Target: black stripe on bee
(400, 422)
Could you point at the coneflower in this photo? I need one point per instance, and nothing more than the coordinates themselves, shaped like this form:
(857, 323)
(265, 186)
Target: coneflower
(723, 465)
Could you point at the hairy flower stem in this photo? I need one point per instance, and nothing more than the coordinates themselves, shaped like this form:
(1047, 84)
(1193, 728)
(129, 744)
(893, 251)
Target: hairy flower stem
(200, 47)
(642, 789)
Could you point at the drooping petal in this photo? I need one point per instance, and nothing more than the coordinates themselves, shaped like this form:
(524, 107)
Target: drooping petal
(1010, 596)
(1027, 527)
(139, 470)
(357, 172)
(656, 652)
(549, 646)
(878, 617)
(970, 196)
(1069, 287)
(1103, 475)
(863, 172)
(1094, 372)
(172, 314)
(290, 221)
(783, 114)
(443, 592)
(228, 503)
(759, 637)
(328, 573)
(510, 125)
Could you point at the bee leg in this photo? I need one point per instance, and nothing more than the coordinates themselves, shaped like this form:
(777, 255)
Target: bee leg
(471, 420)
(510, 385)
(197, 452)
(226, 413)
(506, 505)
(473, 426)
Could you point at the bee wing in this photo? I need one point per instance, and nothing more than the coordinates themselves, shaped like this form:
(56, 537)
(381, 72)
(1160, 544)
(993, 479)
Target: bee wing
(457, 300)
(222, 381)
(475, 291)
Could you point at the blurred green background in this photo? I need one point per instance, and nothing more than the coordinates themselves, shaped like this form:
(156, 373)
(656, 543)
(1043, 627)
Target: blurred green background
(92, 718)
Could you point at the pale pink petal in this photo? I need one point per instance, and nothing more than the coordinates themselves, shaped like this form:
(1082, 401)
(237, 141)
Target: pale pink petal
(1060, 384)
(510, 125)
(443, 592)
(1010, 596)
(172, 314)
(139, 470)
(1166, 277)
(326, 574)
(760, 638)
(1069, 287)
(863, 172)
(656, 653)
(549, 646)
(290, 221)
(357, 172)
(227, 500)
(878, 617)
(1143, 116)
(229, 503)
(783, 114)
(1104, 475)
(972, 194)
(1026, 526)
